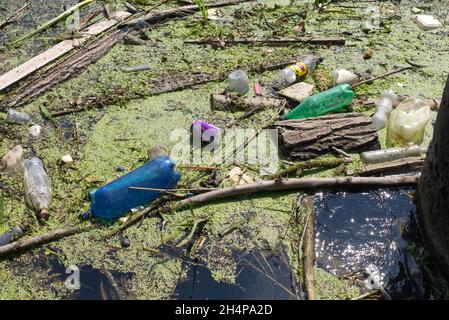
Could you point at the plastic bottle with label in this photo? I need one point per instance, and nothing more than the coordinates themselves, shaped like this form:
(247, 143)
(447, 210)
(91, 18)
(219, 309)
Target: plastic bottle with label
(408, 122)
(384, 108)
(38, 192)
(300, 70)
(119, 197)
(332, 100)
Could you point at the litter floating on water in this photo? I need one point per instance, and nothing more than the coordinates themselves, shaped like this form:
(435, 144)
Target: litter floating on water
(116, 198)
(38, 192)
(238, 82)
(427, 22)
(391, 154)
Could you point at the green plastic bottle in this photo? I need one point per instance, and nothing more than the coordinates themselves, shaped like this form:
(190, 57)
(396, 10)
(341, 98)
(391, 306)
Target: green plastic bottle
(332, 100)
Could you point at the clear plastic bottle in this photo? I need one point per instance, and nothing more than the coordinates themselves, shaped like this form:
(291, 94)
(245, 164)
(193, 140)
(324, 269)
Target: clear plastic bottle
(300, 70)
(37, 185)
(391, 154)
(384, 108)
(13, 116)
(238, 82)
(408, 122)
(10, 236)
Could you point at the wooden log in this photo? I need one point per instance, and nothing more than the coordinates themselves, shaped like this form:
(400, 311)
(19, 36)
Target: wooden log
(307, 138)
(230, 103)
(299, 184)
(308, 249)
(433, 191)
(274, 185)
(407, 165)
(57, 51)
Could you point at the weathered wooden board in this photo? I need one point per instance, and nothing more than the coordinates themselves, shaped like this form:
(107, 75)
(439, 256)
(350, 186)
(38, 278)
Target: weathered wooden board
(58, 51)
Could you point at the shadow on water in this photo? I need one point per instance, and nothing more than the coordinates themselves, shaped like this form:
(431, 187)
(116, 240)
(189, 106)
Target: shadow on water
(259, 275)
(95, 284)
(356, 230)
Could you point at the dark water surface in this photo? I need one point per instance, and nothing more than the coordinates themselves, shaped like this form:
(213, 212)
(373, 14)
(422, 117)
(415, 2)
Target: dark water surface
(353, 231)
(358, 230)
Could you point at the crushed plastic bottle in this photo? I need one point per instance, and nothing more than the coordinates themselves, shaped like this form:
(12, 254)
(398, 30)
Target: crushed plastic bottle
(13, 116)
(391, 154)
(238, 82)
(118, 198)
(332, 100)
(37, 186)
(10, 236)
(384, 108)
(300, 70)
(408, 122)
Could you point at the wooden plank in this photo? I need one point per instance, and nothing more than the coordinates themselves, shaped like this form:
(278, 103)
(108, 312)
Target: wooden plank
(58, 51)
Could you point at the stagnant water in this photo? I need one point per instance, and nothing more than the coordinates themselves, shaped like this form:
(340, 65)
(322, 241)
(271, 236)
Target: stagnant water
(358, 230)
(353, 231)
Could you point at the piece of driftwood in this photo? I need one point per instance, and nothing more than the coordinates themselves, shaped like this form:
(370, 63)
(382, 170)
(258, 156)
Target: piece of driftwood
(72, 66)
(28, 244)
(13, 16)
(272, 42)
(57, 51)
(308, 249)
(231, 103)
(304, 139)
(157, 17)
(407, 165)
(300, 184)
(273, 185)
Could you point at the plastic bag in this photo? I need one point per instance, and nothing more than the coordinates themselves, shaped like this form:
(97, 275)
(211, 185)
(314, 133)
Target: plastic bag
(408, 122)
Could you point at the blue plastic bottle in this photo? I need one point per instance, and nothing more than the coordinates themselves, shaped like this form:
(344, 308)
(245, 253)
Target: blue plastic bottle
(116, 198)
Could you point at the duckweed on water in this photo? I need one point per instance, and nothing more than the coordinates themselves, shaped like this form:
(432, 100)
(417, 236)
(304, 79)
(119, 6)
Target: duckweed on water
(103, 139)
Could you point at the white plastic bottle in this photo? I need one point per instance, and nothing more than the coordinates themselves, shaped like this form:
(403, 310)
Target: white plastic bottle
(384, 108)
(238, 82)
(390, 154)
(291, 74)
(37, 186)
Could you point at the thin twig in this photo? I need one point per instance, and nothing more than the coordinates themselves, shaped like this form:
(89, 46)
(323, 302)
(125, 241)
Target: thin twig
(382, 76)
(172, 190)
